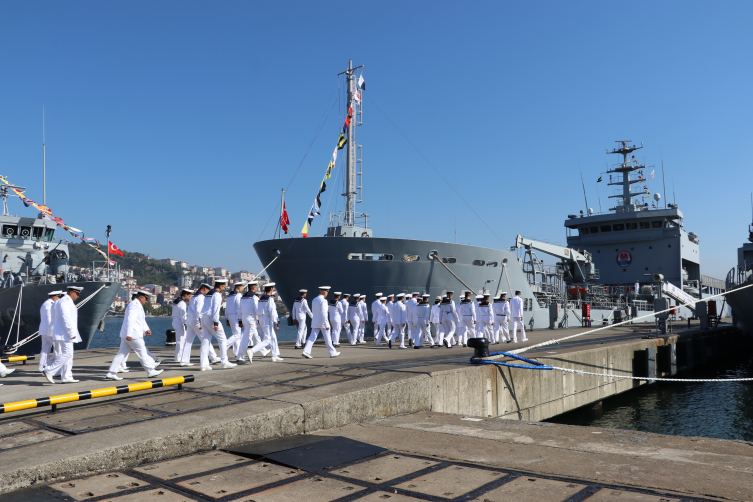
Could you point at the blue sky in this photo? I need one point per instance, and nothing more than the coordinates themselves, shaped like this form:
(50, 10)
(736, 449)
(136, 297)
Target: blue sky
(179, 122)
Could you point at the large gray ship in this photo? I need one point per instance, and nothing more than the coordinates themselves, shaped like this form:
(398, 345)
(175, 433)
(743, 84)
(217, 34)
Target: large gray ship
(742, 275)
(624, 244)
(34, 262)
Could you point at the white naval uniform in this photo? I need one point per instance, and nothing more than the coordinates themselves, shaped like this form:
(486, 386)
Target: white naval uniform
(300, 311)
(398, 321)
(501, 310)
(64, 335)
(449, 320)
(364, 320)
(134, 326)
(374, 305)
(516, 305)
(210, 319)
(345, 324)
(179, 325)
(336, 314)
(484, 320)
(410, 318)
(267, 313)
(436, 319)
(467, 323)
(250, 332)
(46, 315)
(233, 317)
(390, 328)
(319, 324)
(381, 319)
(421, 313)
(193, 326)
(354, 316)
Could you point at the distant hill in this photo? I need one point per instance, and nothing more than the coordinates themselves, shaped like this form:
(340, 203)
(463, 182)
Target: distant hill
(146, 271)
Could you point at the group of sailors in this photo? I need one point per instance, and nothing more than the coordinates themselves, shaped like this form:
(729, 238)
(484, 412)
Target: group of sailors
(253, 322)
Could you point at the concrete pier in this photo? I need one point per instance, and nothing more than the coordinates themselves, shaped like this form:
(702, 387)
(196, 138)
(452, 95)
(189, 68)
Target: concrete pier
(263, 400)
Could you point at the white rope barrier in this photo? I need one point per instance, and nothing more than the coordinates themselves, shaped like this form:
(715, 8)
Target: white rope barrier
(685, 380)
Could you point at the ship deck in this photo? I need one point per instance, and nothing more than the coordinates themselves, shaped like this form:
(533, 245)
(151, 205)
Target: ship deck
(414, 403)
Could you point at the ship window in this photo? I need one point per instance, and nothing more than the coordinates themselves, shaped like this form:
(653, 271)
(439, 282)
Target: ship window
(49, 233)
(645, 224)
(606, 228)
(411, 257)
(594, 230)
(631, 226)
(377, 256)
(491, 264)
(449, 260)
(355, 256)
(656, 224)
(10, 231)
(37, 233)
(26, 232)
(479, 263)
(583, 230)
(618, 227)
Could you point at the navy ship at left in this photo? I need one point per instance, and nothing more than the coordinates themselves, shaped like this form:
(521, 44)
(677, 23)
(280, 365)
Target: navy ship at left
(33, 262)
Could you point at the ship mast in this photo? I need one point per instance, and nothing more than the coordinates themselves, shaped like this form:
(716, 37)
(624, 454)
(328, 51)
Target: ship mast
(627, 167)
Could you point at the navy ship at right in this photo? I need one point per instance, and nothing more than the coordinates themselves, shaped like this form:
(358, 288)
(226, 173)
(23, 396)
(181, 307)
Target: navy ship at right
(742, 301)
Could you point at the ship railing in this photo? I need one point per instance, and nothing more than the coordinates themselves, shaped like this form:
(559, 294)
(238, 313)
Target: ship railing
(101, 272)
(340, 219)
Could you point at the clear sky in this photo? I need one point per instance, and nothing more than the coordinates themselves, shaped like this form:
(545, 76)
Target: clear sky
(178, 123)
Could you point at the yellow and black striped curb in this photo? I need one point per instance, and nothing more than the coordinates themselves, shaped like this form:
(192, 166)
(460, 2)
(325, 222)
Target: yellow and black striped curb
(91, 394)
(15, 359)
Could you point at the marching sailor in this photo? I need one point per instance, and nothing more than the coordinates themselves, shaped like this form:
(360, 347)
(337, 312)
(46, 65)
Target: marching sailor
(180, 307)
(435, 318)
(64, 335)
(233, 317)
(300, 311)
(390, 327)
(132, 338)
(516, 305)
(374, 306)
(345, 317)
(210, 321)
(320, 324)
(381, 319)
(485, 319)
(467, 315)
(398, 321)
(354, 317)
(250, 320)
(267, 313)
(410, 317)
(46, 315)
(501, 315)
(364, 319)
(336, 314)
(421, 316)
(449, 319)
(193, 325)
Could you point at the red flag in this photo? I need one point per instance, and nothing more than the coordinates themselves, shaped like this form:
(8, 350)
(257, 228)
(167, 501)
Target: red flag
(113, 249)
(284, 221)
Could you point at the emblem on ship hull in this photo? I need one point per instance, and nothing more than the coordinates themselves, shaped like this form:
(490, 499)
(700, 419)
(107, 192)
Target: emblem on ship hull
(624, 259)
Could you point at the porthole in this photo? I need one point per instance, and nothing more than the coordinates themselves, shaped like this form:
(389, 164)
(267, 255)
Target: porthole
(651, 247)
(669, 245)
(449, 260)
(432, 254)
(491, 264)
(479, 263)
(411, 257)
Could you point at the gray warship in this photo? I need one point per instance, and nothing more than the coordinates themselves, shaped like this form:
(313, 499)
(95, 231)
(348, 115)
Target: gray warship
(33, 263)
(742, 275)
(632, 238)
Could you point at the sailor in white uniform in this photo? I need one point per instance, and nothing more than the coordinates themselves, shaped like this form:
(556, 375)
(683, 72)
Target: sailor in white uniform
(64, 335)
(354, 317)
(390, 327)
(300, 311)
(516, 306)
(336, 314)
(398, 321)
(449, 319)
(410, 316)
(422, 313)
(381, 319)
(193, 324)
(210, 322)
(467, 316)
(435, 318)
(46, 315)
(364, 319)
(320, 324)
(374, 305)
(268, 321)
(501, 309)
(132, 334)
(250, 320)
(345, 302)
(180, 307)
(233, 317)
(485, 318)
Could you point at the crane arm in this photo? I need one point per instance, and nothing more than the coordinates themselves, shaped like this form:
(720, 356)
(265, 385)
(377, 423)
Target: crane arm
(561, 252)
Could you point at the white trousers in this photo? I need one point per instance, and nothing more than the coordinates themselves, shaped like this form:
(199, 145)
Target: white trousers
(355, 323)
(180, 338)
(209, 332)
(63, 360)
(45, 353)
(302, 331)
(193, 332)
(250, 335)
(484, 329)
(399, 330)
(448, 331)
(420, 328)
(380, 333)
(236, 333)
(312, 338)
(361, 329)
(438, 333)
(410, 328)
(268, 339)
(348, 328)
(335, 331)
(515, 322)
(464, 329)
(501, 331)
(137, 345)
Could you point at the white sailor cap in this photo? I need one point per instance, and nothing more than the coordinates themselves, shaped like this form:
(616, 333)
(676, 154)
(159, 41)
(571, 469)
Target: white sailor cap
(382, 298)
(269, 285)
(76, 288)
(337, 293)
(272, 293)
(479, 297)
(426, 295)
(346, 294)
(258, 293)
(465, 291)
(485, 295)
(356, 295)
(56, 293)
(186, 290)
(415, 294)
(205, 285)
(400, 295)
(303, 290)
(378, 295)
(239, 283)
(438, 298)
(324, 288)
(498, 296)
(253, 283)
(390, 296)
(220, 281)
(445, 296)
(142, 292)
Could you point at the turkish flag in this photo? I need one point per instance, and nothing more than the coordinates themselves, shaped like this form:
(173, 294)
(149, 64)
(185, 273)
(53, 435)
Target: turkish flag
(113, 249)
(284, 221)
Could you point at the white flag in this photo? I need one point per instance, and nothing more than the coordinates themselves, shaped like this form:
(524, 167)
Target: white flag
(361, 83)
(652, 174)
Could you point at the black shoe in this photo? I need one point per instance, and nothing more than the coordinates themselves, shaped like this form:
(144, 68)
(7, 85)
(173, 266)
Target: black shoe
(389, 343)
(417, 347)
(508, 341)
(447, 342)
(297, 346)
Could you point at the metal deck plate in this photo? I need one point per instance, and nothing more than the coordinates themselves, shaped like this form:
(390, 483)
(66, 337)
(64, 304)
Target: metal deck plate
(264, 448)
(323, 454)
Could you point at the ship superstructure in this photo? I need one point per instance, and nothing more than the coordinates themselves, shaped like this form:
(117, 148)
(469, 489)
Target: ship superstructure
(742, 275)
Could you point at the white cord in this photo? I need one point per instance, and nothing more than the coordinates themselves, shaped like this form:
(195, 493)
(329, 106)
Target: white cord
(717, 380)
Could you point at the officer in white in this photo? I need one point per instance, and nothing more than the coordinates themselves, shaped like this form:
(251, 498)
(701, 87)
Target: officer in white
(46, 315)
(374, 305)
(381, 319)
(435, 318)
(485, 318)
(132, 338)
(336, 314)
(516, 305)
(636, 289)
(364, 319)
(64, 335)
(193, 324)
(300, 311)
(410, 315)
(320, 324)
(399, 318)
(354, 317)
(467, 315)
(450, 319)
(268, 320)
(390, 328)
(345, 302)
(233, 317)
(250, 321)
(180, 306)
(421, 319)
(210, 321)
(501, 310)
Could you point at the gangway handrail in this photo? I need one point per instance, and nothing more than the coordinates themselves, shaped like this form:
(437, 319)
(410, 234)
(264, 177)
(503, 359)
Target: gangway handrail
(92, 394)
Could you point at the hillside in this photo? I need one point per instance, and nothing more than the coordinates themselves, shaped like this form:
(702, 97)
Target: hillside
(144, 271)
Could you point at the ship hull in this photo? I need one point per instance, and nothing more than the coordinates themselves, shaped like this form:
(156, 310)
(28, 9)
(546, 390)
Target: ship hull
(741, 303)
(32, 299)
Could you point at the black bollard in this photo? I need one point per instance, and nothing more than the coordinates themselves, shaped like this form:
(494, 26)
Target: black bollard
(170, 337)
(480, 347)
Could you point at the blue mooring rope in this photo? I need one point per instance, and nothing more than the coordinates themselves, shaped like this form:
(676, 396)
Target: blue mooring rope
(532, 365)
